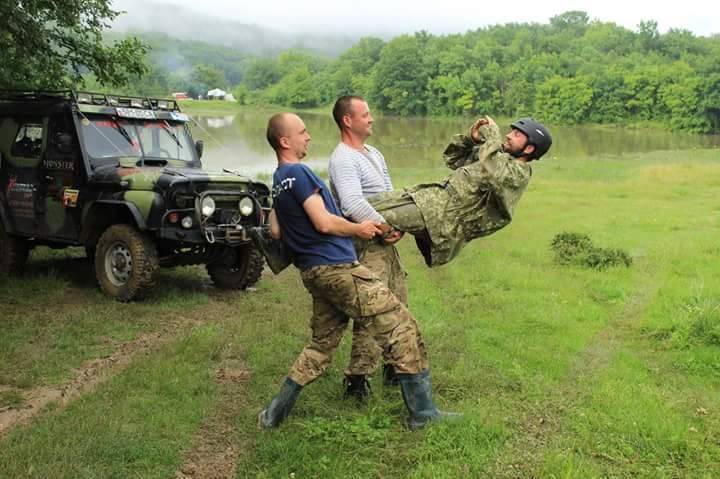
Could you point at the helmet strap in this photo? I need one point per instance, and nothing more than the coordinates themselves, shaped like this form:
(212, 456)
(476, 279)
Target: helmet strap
(521, 152)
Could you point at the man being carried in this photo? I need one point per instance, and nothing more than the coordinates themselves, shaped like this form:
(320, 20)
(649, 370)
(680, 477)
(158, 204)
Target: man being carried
(480, 196)
(307, 220)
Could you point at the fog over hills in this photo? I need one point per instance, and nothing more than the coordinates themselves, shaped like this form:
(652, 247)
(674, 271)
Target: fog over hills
(184, 24)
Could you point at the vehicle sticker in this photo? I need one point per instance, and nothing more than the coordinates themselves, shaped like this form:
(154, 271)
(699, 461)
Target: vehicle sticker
(70, 197)
(20, 198)
(58, 164)
(135, 113)
(175, 115)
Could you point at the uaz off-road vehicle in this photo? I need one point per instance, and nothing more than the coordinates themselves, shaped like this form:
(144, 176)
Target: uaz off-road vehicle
(122, 177)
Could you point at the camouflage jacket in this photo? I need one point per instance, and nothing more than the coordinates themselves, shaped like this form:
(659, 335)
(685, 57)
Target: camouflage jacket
(477, 199)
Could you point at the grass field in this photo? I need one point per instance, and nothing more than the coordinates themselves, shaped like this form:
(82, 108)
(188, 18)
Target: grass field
(560, 371)
(220, 106)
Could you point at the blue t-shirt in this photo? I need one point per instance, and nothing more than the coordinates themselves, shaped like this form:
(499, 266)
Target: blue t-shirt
(292, 185)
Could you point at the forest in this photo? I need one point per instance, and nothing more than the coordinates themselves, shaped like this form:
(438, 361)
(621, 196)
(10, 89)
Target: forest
(568, 71)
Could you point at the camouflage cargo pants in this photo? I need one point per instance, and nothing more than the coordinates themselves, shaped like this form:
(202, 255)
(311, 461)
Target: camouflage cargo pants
(384, 261)
(348, 291)
(401, 212)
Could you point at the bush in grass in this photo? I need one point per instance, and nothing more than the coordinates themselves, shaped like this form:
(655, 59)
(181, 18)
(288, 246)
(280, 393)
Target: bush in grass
(697, 322)
(705, 325)
(578, 249)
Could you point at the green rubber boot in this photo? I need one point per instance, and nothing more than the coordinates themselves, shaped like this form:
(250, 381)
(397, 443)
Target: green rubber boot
(280, 406)
(417, 394)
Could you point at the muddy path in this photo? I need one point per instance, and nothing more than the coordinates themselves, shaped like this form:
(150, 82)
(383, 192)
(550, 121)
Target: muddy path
(542, 422)
(214, 450)
(91, 374)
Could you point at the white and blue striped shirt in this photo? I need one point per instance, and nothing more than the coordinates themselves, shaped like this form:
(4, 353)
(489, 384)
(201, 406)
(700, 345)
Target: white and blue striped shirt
(356, 175)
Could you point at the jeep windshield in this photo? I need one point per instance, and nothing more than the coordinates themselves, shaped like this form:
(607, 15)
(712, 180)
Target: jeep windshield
(108, 138)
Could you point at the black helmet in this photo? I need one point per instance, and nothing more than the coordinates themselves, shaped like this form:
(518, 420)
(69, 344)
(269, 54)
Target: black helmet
(537, 135)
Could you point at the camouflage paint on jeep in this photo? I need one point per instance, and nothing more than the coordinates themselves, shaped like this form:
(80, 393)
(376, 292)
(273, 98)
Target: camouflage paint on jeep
(99, 161)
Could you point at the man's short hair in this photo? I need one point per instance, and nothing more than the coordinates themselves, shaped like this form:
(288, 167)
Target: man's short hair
(275, 130)
(343, 106)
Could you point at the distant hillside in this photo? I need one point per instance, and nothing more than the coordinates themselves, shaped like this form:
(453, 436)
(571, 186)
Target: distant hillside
(180, 56)
(184, 24)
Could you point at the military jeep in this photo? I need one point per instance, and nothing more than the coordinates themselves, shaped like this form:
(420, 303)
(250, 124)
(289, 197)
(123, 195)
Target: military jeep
(122, 177)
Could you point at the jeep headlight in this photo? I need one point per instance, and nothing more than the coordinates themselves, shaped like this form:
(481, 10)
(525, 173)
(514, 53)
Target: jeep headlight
(246, 206)
(207, 206)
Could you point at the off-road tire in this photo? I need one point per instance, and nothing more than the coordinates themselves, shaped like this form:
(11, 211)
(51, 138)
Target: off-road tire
(125, 262)
(244, 273)
(13, 253)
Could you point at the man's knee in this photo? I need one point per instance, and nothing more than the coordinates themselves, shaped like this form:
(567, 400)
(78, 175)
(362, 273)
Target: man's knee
(397, 333)
(310, 365)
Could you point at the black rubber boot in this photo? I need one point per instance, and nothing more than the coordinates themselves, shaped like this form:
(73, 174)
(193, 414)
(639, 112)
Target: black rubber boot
(389, 376)
(358, 387)
(417, 394)
(280, 406)
(424, 244)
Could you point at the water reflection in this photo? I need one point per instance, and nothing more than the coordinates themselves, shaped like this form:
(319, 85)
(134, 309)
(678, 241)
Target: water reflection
(237, 142)
(217, 122)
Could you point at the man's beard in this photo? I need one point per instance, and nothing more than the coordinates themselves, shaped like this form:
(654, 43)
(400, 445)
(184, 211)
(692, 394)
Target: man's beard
(516, 153)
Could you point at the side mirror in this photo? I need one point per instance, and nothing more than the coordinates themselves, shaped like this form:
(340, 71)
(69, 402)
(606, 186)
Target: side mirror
(199, 147)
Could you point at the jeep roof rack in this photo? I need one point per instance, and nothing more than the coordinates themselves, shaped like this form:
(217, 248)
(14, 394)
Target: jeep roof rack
(125, 101)
(92, 98)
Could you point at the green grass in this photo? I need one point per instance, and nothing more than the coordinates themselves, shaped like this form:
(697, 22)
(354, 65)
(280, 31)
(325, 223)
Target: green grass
(55, 318)
(560, 370)
(209, 106)
(135, 426)
(219, 106)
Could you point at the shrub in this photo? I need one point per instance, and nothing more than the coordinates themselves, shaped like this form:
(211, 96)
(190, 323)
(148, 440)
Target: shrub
(578, 249)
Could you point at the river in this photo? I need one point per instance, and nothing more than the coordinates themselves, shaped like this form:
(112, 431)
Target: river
(237, 141)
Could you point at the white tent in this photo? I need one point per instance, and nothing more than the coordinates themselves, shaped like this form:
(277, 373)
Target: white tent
(216, 94)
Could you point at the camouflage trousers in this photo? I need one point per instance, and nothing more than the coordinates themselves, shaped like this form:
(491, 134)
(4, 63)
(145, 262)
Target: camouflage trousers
(384, 261)
(400, 211)
(346, 291)
(403, 214)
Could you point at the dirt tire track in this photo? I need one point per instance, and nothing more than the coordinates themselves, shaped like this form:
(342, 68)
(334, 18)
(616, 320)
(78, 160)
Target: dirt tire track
(91, 374)
(542, 421)
(214, 451)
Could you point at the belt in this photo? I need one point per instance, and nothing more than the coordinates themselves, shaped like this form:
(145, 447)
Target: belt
(335, 266)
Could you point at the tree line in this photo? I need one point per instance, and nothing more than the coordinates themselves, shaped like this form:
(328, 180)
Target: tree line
(568, 71)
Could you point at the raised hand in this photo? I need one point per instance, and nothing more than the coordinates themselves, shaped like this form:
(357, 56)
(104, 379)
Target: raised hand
(475, 129)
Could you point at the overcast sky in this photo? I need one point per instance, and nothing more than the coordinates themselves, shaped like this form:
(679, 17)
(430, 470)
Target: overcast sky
(449, 16)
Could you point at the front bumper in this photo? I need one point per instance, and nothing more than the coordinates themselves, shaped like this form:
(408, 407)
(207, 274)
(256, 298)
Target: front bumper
(231, 235)
(224, 226)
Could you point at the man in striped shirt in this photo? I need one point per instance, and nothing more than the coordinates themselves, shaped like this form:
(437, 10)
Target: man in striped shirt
(358, 171)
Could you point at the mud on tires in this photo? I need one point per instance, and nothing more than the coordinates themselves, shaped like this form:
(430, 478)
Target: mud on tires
(244, 273)
(13, 253)
(125, 262)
